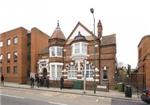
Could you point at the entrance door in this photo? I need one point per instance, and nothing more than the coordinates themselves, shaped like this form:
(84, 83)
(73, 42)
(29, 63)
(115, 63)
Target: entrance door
(44, 72)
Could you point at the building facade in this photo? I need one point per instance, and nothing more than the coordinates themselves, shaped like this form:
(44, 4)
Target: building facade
(13, 55)
(16, 48)
(144, 62)
(82, 55)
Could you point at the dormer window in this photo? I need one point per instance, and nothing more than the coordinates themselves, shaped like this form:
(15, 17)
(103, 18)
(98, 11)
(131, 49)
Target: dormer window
(56, 51)
(79, 48)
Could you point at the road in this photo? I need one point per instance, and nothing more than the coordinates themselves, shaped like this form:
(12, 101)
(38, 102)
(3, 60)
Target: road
(11, 100)
(18, 96)
(126, 102)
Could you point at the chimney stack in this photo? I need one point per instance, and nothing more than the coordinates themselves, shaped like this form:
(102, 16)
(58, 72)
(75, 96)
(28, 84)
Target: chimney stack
(100, 29)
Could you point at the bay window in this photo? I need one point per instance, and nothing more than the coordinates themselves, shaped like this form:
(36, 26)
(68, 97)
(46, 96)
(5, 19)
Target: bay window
(56, 51)
(79, 48)
(55, 71)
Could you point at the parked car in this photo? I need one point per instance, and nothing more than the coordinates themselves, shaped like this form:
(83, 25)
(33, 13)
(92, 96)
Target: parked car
(146, 96)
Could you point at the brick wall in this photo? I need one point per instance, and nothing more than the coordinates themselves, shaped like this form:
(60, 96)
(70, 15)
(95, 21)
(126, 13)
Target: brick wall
(144, 59)
(21, 49)
(39, 40)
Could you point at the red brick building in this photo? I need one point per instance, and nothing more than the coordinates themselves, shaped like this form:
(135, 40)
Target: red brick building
(16, 48)
(81, 53)
(13, 55)
(144, 62)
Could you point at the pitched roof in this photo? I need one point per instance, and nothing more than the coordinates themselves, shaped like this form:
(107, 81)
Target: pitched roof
(58, 33)
(79, 23)
(107, 40)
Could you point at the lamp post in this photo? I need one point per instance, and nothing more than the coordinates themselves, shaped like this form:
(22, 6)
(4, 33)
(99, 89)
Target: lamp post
(84, 88)
(92, 11)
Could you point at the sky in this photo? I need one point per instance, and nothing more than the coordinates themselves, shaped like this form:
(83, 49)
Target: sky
(129, 19)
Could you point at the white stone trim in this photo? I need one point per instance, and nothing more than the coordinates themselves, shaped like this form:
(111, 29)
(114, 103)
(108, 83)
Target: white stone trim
(97, 75)
(79, 75)
(65, 75)
(43, 63)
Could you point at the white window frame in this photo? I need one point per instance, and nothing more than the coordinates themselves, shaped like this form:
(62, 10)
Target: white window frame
(55, 77)
(72, 72)
(82, 48)
(8, 55)
(8, 42)
(55, 48)
(1, 44)
(15, 40)
(90, 69)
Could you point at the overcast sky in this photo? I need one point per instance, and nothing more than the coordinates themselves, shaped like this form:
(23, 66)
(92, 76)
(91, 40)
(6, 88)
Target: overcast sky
(129, 19)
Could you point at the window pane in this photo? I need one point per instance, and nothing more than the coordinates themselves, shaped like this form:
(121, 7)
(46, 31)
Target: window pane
(8, 55)
(53, 71)
(77, 48)
(8, 42)
(15, 69)
(15, 56)
(15, 40)
(59, 73)
(105, 76)
(89, 71)
(53, 51)
(72, 73)
(84, 48)
(59, 51)
(8, 69)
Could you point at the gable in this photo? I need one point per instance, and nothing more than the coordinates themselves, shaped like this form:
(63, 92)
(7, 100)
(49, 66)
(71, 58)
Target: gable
(83, 30)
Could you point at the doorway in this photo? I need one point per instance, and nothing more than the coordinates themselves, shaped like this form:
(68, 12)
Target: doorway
(44, 72)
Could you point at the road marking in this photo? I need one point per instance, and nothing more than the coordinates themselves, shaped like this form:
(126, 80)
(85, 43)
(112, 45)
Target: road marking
(56, 103)
(11, 96)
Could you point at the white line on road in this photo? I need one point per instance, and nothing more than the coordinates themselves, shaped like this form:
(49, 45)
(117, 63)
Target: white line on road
(56, 103)
(11, 96)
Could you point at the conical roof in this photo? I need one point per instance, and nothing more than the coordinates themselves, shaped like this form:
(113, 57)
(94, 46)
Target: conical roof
(58, 33)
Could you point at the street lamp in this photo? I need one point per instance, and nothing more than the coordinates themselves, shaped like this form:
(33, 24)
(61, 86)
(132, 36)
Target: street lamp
(84, 87)
(92, 11)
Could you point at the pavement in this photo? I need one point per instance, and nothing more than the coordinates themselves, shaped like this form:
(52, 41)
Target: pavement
(111, 94)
